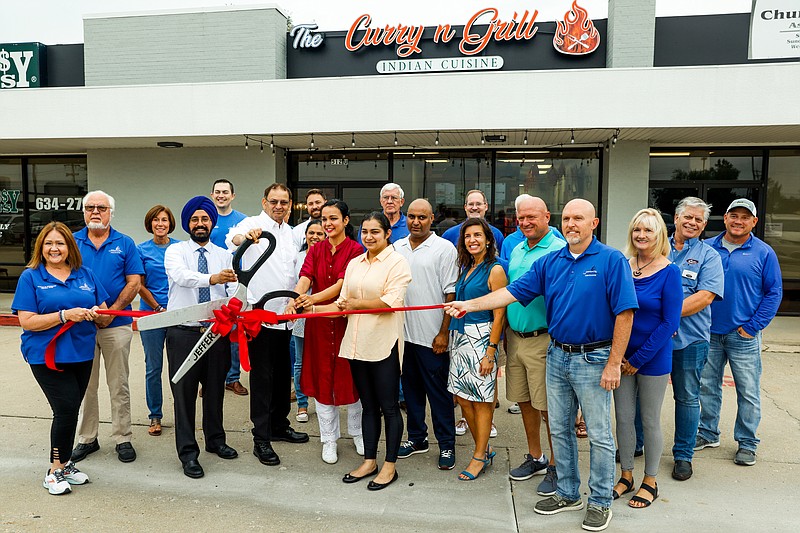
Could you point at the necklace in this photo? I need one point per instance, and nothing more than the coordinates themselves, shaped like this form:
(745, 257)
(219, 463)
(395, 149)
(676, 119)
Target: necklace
(638, 271)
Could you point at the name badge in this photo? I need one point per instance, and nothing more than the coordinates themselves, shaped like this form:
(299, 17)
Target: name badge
(688, 274)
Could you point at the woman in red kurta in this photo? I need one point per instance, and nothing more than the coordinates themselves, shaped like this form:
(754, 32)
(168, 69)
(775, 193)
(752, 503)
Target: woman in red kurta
(325, 376)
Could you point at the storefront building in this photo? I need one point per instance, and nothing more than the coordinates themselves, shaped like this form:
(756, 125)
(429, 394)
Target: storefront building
(627, 112)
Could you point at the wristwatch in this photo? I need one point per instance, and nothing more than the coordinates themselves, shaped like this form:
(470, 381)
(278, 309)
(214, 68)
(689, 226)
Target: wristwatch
(493, 345)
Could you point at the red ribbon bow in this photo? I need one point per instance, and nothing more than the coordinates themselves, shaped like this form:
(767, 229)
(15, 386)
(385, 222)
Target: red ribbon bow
(247, 324)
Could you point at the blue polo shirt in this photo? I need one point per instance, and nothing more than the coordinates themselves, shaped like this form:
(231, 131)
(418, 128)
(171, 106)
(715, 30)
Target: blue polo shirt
(753, 287)
(701, 270)
(453, 233)
(155, 276)
(116, 258)
(532, 317)
(39, 292)
(399, 230)
(220, 231)
(582, 296)
(511, 241)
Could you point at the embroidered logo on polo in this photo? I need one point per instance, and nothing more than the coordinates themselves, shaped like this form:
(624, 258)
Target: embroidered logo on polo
(591, 273)
(85, 287)
(692, 261)
(45, 287)
(116, 250)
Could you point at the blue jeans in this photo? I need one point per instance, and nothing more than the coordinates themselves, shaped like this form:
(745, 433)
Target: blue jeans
(153, 343)
(744, 356)
(573, 379)
(687, 367)
(235, 371)
(302, 399)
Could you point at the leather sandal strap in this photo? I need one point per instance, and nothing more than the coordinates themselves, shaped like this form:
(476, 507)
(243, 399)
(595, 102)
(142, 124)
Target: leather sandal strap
(652, 490)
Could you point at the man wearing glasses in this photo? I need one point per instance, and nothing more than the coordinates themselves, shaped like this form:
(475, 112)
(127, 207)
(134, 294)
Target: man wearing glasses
(270, 366)
(392, 200)
(475, 206)
(115, 260)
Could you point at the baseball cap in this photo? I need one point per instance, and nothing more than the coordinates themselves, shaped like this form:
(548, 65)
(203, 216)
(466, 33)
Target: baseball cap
(743, 202)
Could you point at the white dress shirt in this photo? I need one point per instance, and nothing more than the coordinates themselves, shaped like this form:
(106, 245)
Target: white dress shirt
(299, 233)
(434, 274)
(278, 272)
(180, 262)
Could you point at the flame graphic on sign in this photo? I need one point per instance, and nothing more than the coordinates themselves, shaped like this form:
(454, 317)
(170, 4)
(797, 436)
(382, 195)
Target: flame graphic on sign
(576, 35)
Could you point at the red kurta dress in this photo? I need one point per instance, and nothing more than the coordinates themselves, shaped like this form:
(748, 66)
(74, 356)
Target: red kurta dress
(325, 376)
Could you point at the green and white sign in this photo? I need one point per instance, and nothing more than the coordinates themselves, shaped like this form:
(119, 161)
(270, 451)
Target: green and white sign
(21, 65)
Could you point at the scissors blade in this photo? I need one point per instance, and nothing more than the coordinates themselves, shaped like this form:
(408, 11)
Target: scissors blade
(193, 313)
(206, 341)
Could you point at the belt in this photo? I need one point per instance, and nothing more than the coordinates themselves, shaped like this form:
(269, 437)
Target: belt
(582, 348)
(530, 334)
(196, 329)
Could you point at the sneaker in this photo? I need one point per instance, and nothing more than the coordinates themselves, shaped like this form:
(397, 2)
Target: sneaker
(447, 459)
(556, 504)
(73, 475)
(461, 426)
(514, 409)
(529, 468)
(548, 485)
(409, 448)
(597, 518)
(493, 432)
(358, 440)
(701, 443)
(745, 457)
(329, 452)
(302, 415)
(56, 483)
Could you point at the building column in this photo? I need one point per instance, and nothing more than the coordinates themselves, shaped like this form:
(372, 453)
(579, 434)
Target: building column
(626, 174)
(631, 33)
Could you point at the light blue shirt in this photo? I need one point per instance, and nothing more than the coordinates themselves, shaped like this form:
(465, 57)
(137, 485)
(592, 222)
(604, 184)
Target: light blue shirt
(701, 270)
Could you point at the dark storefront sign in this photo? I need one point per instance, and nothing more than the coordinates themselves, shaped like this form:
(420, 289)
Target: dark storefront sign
(22, 65)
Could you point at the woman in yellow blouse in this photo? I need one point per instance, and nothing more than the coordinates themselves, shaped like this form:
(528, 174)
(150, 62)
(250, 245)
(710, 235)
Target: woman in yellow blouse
(374, 344)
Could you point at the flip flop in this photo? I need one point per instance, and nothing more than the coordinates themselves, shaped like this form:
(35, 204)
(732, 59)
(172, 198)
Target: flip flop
(628, 487)
(639, 499)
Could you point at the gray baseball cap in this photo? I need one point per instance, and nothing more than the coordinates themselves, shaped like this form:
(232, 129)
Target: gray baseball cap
(743, 202)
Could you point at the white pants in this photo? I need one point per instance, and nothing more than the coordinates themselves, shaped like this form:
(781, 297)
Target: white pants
(328, 417)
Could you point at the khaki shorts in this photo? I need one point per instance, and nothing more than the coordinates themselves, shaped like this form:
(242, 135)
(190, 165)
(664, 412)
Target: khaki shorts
(526, 369)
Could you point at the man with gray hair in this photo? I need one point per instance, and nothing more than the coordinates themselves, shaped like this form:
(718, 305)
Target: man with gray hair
(703, 282)
(392, 199)
(114, 259)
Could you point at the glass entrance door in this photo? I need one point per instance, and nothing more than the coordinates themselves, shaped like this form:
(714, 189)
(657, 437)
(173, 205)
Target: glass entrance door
(361, 197)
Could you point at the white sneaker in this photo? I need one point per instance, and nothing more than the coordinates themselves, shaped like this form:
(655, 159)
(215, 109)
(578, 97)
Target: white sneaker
(56, 483)
(329, 452)
(493, 432)
(461, 426)
(301, 416)
(73, 475)
(358, 440)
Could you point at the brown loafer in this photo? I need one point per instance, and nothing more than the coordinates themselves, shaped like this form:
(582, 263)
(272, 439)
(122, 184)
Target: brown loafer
(236, 388)
(155, 427)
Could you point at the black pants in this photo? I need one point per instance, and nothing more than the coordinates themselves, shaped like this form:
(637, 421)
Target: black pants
(210, 371)
(270, 383)
(64, 392)
(378, 385)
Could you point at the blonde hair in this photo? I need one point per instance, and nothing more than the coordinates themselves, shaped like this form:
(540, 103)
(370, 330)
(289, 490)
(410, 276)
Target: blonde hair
(650, 219)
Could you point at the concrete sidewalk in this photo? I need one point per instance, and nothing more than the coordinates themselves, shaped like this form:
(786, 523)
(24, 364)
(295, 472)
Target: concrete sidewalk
(303, 493)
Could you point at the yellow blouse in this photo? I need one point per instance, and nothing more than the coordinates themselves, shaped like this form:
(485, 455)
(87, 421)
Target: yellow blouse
(371, 337)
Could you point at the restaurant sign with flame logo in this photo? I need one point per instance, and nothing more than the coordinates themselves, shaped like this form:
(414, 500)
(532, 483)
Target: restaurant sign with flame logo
(576, 35)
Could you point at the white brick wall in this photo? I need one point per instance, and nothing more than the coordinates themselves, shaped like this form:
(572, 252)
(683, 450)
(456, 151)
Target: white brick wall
(247, 44)
(631, 33)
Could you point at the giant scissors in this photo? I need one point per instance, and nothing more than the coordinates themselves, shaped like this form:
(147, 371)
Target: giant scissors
(205, 311)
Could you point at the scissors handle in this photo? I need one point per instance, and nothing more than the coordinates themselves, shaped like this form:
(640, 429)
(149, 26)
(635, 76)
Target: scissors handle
(276, 294)
(244, 276)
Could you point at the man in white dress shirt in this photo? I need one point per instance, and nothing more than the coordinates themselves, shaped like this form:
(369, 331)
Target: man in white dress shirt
(198, 271)
(270, 366)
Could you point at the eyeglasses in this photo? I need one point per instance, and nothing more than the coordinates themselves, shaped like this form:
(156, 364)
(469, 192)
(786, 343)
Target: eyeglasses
(99, 208)
(282, 203)
(390, 198)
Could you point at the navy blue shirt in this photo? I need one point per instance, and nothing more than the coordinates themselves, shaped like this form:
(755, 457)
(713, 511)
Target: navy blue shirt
(582, 296)
(41, 293)
(116, 258)
(155, 276)
(753, 287)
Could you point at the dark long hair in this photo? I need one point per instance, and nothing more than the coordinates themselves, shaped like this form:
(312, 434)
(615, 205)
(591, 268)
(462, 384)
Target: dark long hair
(345, 212)
(311, 222)
(464, 257)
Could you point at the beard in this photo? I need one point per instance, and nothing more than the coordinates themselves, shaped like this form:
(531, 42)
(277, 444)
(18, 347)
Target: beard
(97, 225)
(200, 235)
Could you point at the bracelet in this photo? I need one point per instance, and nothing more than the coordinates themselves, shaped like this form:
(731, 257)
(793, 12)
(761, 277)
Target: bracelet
(62, 317)
(312, 308)
(159, 309)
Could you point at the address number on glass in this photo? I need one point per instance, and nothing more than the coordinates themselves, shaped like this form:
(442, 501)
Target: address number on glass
(51, 204)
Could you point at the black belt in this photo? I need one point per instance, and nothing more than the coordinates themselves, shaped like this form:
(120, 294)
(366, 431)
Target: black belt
(530, 334)
(582, 348)
(196, 329)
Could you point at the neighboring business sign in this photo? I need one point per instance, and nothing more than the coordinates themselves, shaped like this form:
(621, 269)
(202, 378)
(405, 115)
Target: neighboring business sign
(774, 29)
(21, 65)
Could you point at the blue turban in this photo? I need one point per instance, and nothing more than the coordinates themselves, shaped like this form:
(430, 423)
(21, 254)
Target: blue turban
(198, 202)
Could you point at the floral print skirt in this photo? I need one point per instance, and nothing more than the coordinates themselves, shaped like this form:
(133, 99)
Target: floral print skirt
(466, 351)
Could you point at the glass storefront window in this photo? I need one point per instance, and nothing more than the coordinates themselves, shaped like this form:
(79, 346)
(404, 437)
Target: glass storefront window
(781, 221)
(12, 223)
(716, 165)
(341, 167)
(56, 190)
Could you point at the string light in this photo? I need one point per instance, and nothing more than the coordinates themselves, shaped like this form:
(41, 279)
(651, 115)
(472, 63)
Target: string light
(436, 142)
(395, 138)
(483, 139)
(572, 137)
(262, 146)
(525, 140)
(353, 140)
(312, 141)
(246, 146)
(272, 143)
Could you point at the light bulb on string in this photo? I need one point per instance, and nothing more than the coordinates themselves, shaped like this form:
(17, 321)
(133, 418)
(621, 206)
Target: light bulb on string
(353, 140)
(246, 146)
(572, 137)
(312, 141)
(395, 138)
(436, 142)
(272, 143)
(525, 140)
(262, 147)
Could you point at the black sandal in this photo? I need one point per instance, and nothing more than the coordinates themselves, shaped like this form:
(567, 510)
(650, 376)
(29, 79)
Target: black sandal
(639, 499)
(628, 487)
